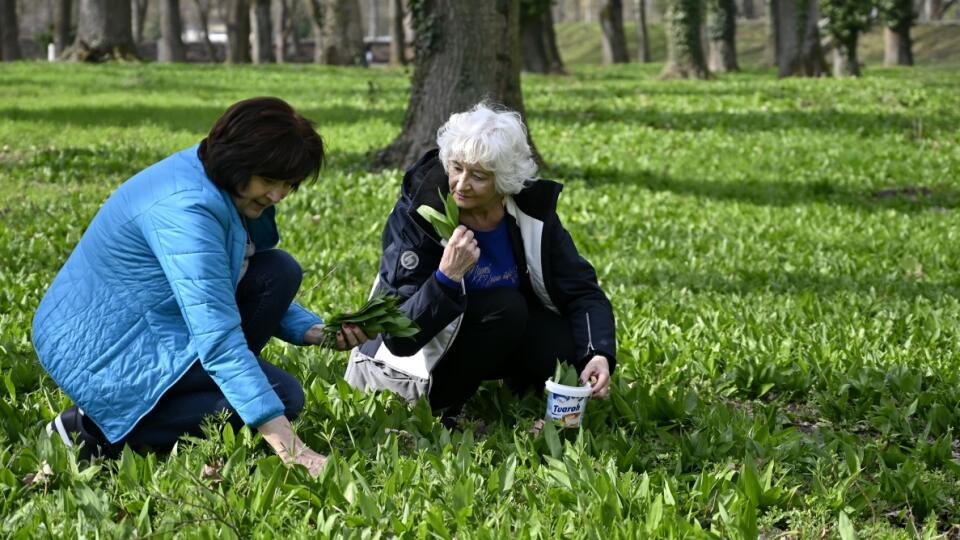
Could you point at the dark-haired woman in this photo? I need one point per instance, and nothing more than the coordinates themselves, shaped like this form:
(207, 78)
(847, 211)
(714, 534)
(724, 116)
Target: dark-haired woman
(157, 319)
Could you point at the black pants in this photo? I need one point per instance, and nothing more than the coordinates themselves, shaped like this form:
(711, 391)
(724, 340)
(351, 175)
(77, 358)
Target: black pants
(502, 337)
(263, 296)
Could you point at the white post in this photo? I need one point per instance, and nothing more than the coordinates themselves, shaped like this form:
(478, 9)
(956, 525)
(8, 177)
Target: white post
(51, 52)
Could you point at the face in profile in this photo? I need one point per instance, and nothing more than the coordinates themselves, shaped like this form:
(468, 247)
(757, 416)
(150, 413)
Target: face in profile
(261, 193)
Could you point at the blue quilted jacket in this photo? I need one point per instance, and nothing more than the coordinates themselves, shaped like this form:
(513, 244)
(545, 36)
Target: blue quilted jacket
(150, 289)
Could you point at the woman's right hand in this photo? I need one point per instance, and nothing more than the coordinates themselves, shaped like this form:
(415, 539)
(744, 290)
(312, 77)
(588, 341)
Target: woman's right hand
(461, 253)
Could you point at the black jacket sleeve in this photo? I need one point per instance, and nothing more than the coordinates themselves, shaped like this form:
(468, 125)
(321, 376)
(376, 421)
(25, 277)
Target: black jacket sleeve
(407, 269)
(573, 284)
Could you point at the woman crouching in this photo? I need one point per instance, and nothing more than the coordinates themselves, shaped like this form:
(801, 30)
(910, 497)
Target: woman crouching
(506, 297)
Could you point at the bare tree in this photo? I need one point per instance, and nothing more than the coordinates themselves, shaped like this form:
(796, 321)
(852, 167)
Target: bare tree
(170, 48)
(139, 14)
(282, 26)
(101, 37)
(685, 56)
(797, 35)
(343, 33)
(9, 31)
(203, 14)
(61, 25)
(262, 30)
(238, 32)
(614, 40)
(643, 36)
(398, 44)
(898, 17)
(455, 66)
(538, 41)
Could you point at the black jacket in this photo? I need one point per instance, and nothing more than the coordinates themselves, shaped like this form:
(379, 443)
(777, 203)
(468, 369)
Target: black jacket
(551, 271)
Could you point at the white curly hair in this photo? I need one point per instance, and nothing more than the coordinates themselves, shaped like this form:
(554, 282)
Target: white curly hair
(493, 138)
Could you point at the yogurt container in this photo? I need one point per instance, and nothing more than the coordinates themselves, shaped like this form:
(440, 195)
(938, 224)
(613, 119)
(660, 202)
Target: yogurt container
(566, 404)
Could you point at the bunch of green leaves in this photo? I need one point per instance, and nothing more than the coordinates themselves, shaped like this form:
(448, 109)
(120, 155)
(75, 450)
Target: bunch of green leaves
(444, 223)
(565, 374)
(379, 315)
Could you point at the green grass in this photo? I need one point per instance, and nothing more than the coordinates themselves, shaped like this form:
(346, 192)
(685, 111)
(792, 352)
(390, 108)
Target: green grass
(934, 44)
(788, 335)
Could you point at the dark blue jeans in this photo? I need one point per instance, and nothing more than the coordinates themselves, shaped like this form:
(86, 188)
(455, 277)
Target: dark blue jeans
(263, 296)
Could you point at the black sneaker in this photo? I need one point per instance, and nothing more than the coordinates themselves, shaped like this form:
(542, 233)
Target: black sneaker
(69, 426)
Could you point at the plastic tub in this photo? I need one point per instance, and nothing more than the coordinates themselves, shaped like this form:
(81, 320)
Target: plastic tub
(566, 404)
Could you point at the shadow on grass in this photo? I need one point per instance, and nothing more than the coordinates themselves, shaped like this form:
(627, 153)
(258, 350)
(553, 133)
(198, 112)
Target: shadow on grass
(796, 281)
(908, 199)
(179, 118)
(753, 121)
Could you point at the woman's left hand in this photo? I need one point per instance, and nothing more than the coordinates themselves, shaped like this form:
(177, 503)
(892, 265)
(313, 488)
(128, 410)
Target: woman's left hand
(349, 336)
(597, 373)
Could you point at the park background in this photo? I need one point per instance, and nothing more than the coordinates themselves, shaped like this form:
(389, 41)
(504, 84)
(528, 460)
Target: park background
(781, 252)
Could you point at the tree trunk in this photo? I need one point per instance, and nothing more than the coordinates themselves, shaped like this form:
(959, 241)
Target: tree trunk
(315, 12)
(455, 67)
(722, 29)
(262, 31)
(798, 39)
(771, 53)
(343, 34)
(170, 48)
(845, 62)
(554, 61)
(9, 31)
(373, 19)
(203, 14)
(748, 10)
(238, 32)
(614, 40)
(932, 9)
(398, 44)
(509, 91)
(643, 36)
(139, 14)
(104, 32)
(533, 48)
(281, 30)
(61, 25)
(685, 58)
(897, 46)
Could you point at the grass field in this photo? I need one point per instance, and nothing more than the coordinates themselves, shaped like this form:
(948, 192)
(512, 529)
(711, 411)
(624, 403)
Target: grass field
(783, 258)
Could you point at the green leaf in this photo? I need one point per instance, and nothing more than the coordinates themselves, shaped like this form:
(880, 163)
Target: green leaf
(845, 527)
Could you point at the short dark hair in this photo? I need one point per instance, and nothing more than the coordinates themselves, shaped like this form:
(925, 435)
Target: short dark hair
(261, 136)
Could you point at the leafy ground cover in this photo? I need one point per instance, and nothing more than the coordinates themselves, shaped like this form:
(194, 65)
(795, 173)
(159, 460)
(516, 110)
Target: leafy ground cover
(782, 257)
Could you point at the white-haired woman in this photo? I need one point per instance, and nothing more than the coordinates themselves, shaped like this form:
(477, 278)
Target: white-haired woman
(508, 294)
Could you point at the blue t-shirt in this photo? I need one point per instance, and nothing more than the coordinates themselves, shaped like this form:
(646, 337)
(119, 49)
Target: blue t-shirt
(496, 267)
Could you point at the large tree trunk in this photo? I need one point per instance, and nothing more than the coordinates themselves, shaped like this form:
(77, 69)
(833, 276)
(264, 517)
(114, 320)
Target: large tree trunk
(9, 31)
(373, 19)
(614, 40)
(685, 58)
(643, 36)
(554, 61)
(845, 61)
(897, 46)
(315, 12)
(139, 14)
(61, 25)
(343, 33)
(722, 29)
(238, 32)
(798, 39)
(455, 67)
(103, 32)
(203, 14)
(170, 48)
(281, 29)
(398, 44)
(262, 31)
(771, 53)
